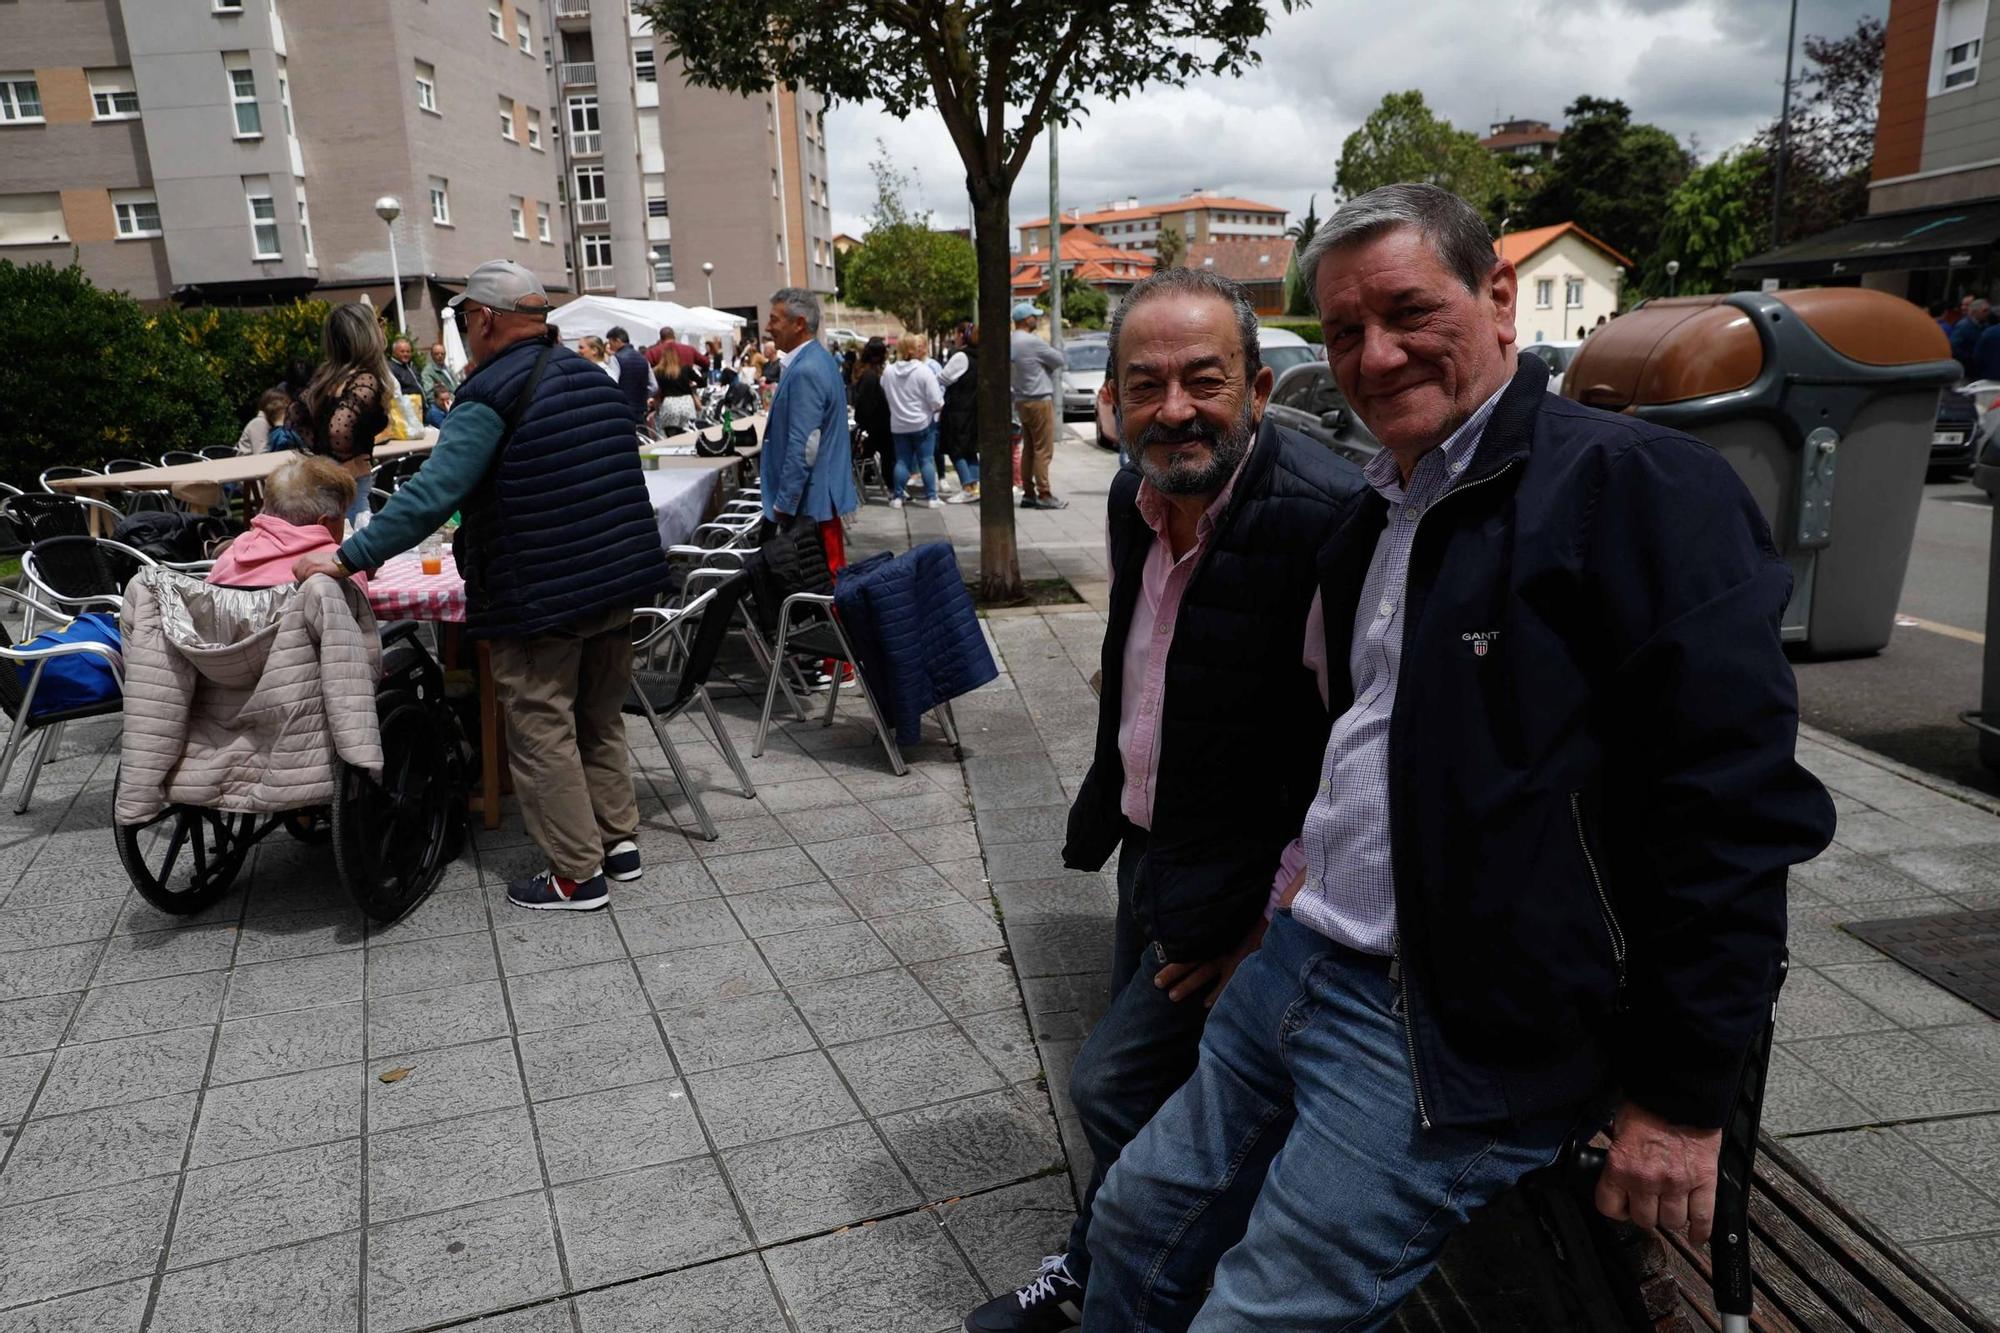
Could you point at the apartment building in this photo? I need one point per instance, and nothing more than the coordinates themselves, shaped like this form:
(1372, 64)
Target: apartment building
(665, 179)
(1933, 226)
(1200, 216)
(233, 150)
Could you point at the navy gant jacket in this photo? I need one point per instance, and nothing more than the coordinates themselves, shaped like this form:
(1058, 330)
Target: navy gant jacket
(1593, 800)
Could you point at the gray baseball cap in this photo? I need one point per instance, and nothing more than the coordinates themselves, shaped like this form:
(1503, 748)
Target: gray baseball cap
(502, 284)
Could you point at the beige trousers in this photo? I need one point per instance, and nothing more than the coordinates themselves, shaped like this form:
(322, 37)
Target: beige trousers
(1038, 444)
(562, 693)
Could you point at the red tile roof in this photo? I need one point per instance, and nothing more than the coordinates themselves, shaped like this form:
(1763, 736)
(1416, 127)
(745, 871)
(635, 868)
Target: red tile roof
(1095, 260)
(1137, 211)
(1517, 138)
(1243, 258)
(1517, 246)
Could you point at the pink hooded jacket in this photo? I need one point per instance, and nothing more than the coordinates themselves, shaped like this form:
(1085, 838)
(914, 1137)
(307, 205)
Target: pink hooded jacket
(263, 556)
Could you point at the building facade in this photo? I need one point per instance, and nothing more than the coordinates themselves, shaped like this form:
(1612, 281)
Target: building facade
(1087, 258)
(1568, 281)
(232, 151)
(1200, 216)
(1933, 220)
(1525, 144)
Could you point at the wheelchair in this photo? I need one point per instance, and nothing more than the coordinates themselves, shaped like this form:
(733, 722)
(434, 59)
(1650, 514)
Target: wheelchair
(391, 840)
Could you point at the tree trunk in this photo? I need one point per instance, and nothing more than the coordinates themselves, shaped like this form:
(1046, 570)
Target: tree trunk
(999, 565)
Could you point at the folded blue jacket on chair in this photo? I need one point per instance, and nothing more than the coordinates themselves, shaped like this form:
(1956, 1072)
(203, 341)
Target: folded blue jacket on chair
(911, 622)
(74, 680)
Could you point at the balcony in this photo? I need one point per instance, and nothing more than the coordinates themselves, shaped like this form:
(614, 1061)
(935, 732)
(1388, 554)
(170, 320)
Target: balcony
(572, 9)
(592, 210)
(586, 143)
(577, 74)
(598, 280)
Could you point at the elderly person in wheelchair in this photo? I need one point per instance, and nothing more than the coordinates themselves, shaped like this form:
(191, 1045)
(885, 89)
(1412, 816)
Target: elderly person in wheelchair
(252, 702)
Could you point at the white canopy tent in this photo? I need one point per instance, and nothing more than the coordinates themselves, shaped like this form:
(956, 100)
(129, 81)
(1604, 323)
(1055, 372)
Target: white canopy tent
(588, 315)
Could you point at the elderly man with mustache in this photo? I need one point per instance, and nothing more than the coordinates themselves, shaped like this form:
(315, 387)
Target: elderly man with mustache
(1211, 721)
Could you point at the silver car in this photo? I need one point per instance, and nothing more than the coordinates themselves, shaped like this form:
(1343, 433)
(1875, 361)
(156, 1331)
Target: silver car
(1083, 375)
(1306, 399)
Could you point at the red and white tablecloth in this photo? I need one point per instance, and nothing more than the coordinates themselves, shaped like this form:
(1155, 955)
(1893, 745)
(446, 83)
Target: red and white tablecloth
(400, 590)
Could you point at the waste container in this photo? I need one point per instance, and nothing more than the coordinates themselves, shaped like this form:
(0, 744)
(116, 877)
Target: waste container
(1986, 476)
(1823, 401)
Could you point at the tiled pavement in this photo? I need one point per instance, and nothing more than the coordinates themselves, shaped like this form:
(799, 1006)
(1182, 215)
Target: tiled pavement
(787, 1082)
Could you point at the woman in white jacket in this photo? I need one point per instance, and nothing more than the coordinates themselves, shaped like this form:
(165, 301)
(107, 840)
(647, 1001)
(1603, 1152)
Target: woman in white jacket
(915, 398)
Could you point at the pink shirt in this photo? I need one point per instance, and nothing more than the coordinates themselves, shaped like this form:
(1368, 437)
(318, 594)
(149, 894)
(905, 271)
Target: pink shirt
(263, 556)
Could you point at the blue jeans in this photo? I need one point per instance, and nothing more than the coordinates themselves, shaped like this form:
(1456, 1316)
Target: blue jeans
(1292, 1164)
(914, 452)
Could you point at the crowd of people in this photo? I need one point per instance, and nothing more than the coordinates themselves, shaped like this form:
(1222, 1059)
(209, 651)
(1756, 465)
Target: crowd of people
(1974, 330)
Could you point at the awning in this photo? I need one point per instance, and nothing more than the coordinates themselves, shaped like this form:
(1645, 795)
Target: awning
(1952, 236)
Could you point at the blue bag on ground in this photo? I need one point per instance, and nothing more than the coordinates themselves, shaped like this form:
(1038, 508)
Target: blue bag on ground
(912, 624)
(74, 680)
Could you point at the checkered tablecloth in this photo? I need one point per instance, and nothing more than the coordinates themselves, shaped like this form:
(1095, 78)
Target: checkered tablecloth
(400, 590)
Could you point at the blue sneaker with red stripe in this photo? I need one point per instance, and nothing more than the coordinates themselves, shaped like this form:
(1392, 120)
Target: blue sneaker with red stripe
(550, 892)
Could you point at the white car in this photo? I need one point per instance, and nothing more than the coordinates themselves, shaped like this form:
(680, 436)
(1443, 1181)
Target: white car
(1556, 356)
(843, 336)
(1084, 361)
(1281, 349)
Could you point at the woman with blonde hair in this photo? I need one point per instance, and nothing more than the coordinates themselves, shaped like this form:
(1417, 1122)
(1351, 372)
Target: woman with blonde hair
(678, 384)
(346, 403)
(305, 501)
(915, 398)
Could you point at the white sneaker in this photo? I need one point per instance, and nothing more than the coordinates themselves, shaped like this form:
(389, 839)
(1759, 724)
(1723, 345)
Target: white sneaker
(933, 504)
(895, 502)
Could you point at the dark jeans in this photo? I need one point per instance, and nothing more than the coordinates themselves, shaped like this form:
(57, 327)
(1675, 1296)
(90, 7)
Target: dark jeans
(1137, 1056)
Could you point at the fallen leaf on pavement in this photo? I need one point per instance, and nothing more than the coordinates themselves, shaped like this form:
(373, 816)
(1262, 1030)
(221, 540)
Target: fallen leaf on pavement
(396, 1075)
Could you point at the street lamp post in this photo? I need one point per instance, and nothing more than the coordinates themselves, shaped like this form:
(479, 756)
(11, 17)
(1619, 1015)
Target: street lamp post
(1673, 276)
(708, 272)
(389, 208)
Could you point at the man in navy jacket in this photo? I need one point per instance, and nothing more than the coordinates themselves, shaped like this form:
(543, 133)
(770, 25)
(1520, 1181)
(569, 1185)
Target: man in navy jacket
(1547, 854)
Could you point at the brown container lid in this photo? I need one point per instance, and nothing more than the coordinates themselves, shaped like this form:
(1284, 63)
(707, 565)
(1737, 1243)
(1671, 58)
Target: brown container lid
(1672, 350)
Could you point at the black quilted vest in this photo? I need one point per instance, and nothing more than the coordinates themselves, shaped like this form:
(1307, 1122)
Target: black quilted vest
(1242, 725)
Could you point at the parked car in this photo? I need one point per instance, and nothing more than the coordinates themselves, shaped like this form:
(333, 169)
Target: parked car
(1952, 445)
(1281, 349)
(841, 337)
(1084, 360)
(1556, 356)
(1306, 399)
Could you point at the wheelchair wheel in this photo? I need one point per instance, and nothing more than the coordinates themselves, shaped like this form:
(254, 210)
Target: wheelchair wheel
(189, 860)
(391, 839)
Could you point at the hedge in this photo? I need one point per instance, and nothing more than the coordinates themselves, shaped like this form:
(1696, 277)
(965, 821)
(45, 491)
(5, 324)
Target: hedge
(87, 374)
(1306, 328)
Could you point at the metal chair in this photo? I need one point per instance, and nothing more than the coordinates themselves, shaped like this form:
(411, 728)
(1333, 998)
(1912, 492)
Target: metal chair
(64, 473)
(218, 452)
(41, 517)
(787, 672)
(823, 637)
(17, 700)
(662, 695)
(79, 573)
(137, 501)
(7, 488)
(178, 457)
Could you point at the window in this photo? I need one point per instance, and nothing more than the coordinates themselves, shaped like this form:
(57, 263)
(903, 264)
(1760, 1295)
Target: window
(1959, 37)
(1573, 293)
(585, 140)
(229, 6)
(589, 202)
(517, 211)
(427, 92)
(31, 219)
(305, 222)
(263, 219)
(774, 182)
(642, 65)
(596, 261)
(285, 96)
(20, 98)
(542, 223)
(138, 213)
(1545, 293)
(440, 201)
(506, 117)
(113, 95)
(656, 207)
(243, 95)
(663, 264)
(535, 129)
(494, 24)
(781, 248)
(524, 35)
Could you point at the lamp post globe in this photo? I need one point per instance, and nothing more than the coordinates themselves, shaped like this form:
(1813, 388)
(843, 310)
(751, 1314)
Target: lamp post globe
(389, 208)
(708, 272)
(1673, 276)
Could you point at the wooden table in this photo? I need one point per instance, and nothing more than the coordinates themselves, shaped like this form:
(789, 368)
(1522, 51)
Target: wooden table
(201, 483)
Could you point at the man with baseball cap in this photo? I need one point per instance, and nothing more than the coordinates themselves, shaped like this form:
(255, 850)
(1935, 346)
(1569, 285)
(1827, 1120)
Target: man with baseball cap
(558, 543)
(1034, 402)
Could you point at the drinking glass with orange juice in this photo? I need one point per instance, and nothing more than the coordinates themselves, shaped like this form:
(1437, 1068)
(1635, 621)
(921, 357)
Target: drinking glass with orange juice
(430, 555)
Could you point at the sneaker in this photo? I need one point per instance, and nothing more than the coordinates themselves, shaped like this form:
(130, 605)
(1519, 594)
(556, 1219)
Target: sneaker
(1051, 502)
(550, 892)
(1030, 502)
(895, 502)
(622, 861)
(967, 496)
(933, 504)
(1052, 1302)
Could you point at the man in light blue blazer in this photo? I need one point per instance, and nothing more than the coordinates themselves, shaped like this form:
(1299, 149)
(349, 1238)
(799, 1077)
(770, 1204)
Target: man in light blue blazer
(807, 468)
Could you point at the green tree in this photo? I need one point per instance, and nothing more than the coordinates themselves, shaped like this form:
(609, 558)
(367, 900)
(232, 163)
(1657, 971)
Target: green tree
(1613, 178)
(118, 381)
(1083, 305)
(1404, 140)
(1711, 222)
(925, 278)
(971, 61)
(1171, 247)
(1832, 140)
(1297, 300)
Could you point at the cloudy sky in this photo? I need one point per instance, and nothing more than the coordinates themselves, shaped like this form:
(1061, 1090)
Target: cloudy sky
(1709, 71)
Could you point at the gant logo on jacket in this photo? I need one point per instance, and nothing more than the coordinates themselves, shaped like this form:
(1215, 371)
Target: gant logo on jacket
(1482, 640)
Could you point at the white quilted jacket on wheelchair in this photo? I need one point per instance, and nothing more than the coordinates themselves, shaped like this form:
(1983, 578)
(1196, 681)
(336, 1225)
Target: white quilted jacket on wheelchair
(244, 699)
